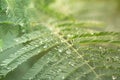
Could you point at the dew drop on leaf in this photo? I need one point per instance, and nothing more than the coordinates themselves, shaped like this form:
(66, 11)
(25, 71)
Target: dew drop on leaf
(100, 47)
(68, 51)
(48, 59)
(16, 40)
(59, 70)
(60, 50)
(114, 77)
(45, 46)
(63, 77)
(7, 68)
(21, 24)
(3, 64)
(70, 63)
(92, 33)
(41, 42)
(1, 49)
(69, 35)
(36, 45)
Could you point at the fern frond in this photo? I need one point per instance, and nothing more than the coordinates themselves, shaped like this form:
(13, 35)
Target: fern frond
(63, 48)
(30, 50)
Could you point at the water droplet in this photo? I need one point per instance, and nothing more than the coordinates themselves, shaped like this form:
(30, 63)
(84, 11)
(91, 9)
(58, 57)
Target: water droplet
(31, 5)
(1, 49)
(63, 77)
(21, 24)
(7, 9)
(55, 48)
(60, 50)
(38, 51)
(116, 57)
(71, 63)
(3, 64)
(45, 46)
(59, 70)
(114, 77)
(36, 45)
(69, 35)
(16, 40)
(7, 68)
(68, 51)
(41, 42)
(48, 58)
(92, 33)
(100, 47)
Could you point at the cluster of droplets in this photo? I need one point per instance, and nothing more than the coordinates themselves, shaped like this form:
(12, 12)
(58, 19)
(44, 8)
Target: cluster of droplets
(114, 77)
(18, 53)
(68, 51)
(28, 37)
(71, 63)
(59, 70)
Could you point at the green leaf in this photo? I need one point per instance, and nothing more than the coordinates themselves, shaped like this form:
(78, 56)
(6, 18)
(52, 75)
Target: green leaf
(8, 31)
(57, 43)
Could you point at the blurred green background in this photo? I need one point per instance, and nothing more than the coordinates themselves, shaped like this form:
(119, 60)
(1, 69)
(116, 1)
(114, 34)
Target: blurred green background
(107, 11)
(42, 11)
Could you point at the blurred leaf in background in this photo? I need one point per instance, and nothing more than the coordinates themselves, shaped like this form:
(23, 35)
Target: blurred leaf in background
(97, 10)
(1, 44)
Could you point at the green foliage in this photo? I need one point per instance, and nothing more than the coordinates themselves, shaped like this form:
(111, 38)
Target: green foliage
(1, 44)
(59, 40)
